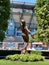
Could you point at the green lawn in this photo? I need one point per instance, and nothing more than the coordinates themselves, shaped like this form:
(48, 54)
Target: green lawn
(7, 62)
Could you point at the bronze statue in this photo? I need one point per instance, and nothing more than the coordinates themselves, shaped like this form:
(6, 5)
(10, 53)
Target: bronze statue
(25, 36)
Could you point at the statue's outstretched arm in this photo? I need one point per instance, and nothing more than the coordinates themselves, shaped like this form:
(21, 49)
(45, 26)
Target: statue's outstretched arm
(20, 17)
(29, 32)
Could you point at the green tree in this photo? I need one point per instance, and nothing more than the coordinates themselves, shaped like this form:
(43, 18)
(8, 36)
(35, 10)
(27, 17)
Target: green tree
(42, 17)
(4, 16)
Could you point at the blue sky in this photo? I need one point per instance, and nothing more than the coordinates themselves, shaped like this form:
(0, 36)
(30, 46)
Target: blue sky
(30, 1)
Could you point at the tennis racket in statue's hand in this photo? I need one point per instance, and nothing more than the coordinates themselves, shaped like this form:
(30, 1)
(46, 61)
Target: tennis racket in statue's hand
(32, 36)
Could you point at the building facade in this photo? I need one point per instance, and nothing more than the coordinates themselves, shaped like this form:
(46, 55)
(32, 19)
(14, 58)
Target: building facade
(13, 39)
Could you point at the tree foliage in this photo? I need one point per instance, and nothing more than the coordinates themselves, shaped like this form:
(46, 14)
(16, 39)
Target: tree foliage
(42, 17)
(4, 16)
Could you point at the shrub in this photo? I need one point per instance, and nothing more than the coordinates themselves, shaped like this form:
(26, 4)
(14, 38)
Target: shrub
(8, 57)
(24, 57)
(34, 57)
(12, 57)
(36, 52)
(40, 58)
(31, 57)
(16, 56)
